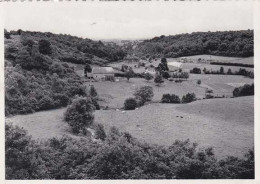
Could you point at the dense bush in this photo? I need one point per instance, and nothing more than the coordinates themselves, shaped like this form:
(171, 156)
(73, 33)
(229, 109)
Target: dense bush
(158, 80)
(130, 104)
(148, 76)
(145, 93)
(189, 97)
(79, 114)
(167, 98)
(119, 156)
(93, 92)
(45, 47)
(245, 90)
(195, 70)
(100, 132)
(223, 43)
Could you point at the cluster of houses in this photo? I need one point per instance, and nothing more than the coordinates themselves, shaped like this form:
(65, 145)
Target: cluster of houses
(107, 73)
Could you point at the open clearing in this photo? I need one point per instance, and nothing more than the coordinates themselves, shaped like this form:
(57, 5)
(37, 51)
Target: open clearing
(225, 124)
(115, 93)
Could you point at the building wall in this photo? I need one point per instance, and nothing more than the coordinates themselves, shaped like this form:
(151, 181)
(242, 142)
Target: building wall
(101, 76)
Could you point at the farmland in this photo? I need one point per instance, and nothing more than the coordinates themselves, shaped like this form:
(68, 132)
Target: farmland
(220, 123)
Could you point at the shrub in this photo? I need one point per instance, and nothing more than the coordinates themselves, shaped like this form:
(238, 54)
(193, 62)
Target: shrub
(45, 47)
(165, 75)
(199, 82)
(130, 104)
(129, 74)
(158, 80)
(189, 97)
(245, 90)
(167, 98)
(145, 93)
(79, 114)
(196, 70)
(148, 76)
(100, 132)
(93, 92)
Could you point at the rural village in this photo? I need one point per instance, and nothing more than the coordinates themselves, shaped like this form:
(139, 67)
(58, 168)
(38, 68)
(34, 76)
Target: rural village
(148, 109)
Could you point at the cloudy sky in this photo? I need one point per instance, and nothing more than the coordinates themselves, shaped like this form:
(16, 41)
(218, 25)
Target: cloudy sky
(128, 20)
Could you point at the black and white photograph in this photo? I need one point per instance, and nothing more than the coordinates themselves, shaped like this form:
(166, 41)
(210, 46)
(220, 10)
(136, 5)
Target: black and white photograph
(129, 90)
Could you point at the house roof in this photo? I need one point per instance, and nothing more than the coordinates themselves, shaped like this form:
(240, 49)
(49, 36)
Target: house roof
(103, 70)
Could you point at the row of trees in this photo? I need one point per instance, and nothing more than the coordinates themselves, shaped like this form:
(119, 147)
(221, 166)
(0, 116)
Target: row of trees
(221, 71)
(246, 90)
(141, 95)
(223, 43)
(118, 156)
(172, 98)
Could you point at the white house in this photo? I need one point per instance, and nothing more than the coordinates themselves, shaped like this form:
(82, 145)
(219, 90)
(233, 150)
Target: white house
(100, 73)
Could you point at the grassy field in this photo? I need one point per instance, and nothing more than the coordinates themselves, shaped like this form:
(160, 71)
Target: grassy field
(225, 124)
(114, 93)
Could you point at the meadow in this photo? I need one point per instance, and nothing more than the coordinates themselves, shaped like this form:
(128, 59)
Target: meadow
(224, 124)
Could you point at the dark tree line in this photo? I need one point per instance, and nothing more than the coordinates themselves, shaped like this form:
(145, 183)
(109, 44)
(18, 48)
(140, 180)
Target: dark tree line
(118, 156)
(223, 43)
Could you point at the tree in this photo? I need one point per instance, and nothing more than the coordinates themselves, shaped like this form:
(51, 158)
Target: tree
(6, 34)
(199, 82)
(79, 114)
(87, 69)
(221, 70)
(129, 74)
(93, 92)
(158, 80)
(148, 76)
(130, 104)
(145, 93)
(45, 47)
(100, 132)
(229, 72)
(196, 70)
(189, 97)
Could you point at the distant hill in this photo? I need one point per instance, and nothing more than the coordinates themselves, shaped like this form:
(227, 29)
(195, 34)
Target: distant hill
(222, 43)
(67, 48)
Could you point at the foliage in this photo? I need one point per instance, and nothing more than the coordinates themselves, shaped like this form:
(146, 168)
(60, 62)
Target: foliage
(223, 43)
(79, 114)
(22, 156)
(45, 47)
(87, 69)
(232, 64)
(93, 91)
(245, 90)
(6, 34)
(119, 156)
(148, 76)
(181, 75)
(167, 98)
(145, 93)
(158, 80)
(129, 74)
(199, 82)
(100, 132)
(189, 97)
(130, 104)
(195, 70)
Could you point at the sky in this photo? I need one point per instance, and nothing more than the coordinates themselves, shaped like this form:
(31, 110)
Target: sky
(128, 20)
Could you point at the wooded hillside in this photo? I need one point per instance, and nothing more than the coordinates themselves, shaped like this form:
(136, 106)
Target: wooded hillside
(226, 43)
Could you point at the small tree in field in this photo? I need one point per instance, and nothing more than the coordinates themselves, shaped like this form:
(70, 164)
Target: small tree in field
(221, 70)
(144, 93)
(158, 80)
(129, 74)
(93, 92)
(130, 104)
(100, 132)
(189, 97)
(148, 76)
(79, 114)
(199, 82)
